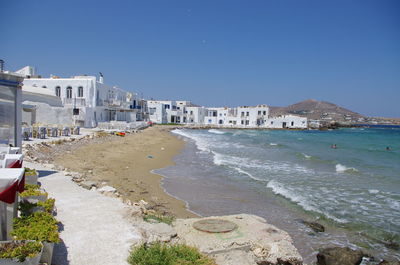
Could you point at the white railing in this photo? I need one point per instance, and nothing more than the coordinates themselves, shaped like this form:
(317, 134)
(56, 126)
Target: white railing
(79, 102)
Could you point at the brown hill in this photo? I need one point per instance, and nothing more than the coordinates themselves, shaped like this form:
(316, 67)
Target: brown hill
(314, 109)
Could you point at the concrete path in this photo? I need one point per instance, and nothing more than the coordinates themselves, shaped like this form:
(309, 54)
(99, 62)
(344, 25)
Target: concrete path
(93, 227)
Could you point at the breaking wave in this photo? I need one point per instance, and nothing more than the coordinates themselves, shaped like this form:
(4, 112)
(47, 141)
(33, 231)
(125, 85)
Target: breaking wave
(216, 131)
(342, 169)
(304, 202)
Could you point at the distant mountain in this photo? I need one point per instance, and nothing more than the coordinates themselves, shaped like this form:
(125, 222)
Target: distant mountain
(318, 110)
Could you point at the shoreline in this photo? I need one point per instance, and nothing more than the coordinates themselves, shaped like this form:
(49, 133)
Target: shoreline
(125, 163)
(333, 236)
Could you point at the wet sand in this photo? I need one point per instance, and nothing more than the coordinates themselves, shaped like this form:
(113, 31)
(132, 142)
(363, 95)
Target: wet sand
(125, 163)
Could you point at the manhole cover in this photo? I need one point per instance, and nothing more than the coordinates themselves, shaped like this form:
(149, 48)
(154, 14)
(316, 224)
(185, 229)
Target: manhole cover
(214, 226)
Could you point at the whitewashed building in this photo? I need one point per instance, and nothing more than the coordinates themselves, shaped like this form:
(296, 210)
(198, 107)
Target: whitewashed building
(252, 116)
(85, 100)
(195, 115)
(245, 116)
(156, 111)
(287, 122)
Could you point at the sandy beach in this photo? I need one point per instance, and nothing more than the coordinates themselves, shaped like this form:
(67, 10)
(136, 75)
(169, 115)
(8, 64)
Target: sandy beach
(125, 163)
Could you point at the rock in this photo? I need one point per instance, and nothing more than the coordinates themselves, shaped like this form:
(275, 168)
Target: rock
(77, 179)
(107, 189)
(159, 232)
(339, 256)
(385, 262)
(256, 241)
(315, 226)
(88, 184)
(142, 205)
(234, 257)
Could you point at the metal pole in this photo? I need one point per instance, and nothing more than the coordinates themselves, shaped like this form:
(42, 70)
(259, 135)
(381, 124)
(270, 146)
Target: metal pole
(3, 220)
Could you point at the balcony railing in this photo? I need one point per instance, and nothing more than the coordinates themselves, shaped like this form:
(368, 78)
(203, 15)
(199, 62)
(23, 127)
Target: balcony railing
(78, 102)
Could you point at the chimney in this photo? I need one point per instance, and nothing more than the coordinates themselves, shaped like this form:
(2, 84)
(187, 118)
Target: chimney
(101, 79)
(1, 65)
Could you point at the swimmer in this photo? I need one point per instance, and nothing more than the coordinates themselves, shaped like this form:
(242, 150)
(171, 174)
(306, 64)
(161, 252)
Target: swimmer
(333, 146)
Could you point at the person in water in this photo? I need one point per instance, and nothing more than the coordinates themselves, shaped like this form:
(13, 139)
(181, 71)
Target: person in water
(333, 146)
(388, 148)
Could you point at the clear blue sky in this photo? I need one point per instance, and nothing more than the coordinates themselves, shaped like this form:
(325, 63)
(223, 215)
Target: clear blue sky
(217, 53)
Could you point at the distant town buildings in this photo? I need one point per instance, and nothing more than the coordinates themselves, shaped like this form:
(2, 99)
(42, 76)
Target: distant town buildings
(184, 112)
(86, 101)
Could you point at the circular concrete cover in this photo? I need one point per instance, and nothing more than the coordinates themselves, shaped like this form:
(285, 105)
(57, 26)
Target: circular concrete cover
(214, 225)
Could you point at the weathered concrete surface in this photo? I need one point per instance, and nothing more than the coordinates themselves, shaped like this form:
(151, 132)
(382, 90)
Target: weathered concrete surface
(94, 229)
(253, 242)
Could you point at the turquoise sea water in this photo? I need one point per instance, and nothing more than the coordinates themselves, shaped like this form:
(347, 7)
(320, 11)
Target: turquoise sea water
(355, 187)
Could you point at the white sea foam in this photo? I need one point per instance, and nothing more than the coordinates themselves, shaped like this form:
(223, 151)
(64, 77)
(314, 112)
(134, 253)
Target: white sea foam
(216, 131)
(342, 169)
(306, 156)
(200, 142)
(373, 191)
(273, 144)
(304, 202)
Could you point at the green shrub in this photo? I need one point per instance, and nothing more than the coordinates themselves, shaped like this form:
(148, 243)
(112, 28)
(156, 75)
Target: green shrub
(20, 250)
(48, 205)
(32, 190)
(26, 207)
(39, 226)
(162, 254)
(159, 218)
(30, 172)
(31, 187)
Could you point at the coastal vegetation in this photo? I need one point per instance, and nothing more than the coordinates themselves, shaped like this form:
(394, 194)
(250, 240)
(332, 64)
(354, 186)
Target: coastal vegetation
(32, 190)
(39, 226)
(20, 250)
(159, 218)
(26, 208)
(163, 254)
(30, 172)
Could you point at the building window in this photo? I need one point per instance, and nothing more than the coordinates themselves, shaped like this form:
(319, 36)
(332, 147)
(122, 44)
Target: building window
(242, 122)
(242, 114)
(58, 91)
(272, 122)
(247, 114)
(259, 112)
(292, 123)
(191, 112)
(44, 86)
(166, 106)
(264, 112)
(69, 92)
(247, 122)
(80, 92)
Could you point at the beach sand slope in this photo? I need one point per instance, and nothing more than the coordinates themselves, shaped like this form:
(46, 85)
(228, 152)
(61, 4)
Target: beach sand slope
(125, 163)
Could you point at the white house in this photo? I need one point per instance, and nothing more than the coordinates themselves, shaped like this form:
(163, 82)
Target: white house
(157, 111)
(287, 121)
(86, 100)
(195, 115)
(245, 116)
(253, 116)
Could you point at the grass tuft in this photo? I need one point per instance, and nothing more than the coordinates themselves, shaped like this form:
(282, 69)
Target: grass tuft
(162, 254)
(159, 218)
